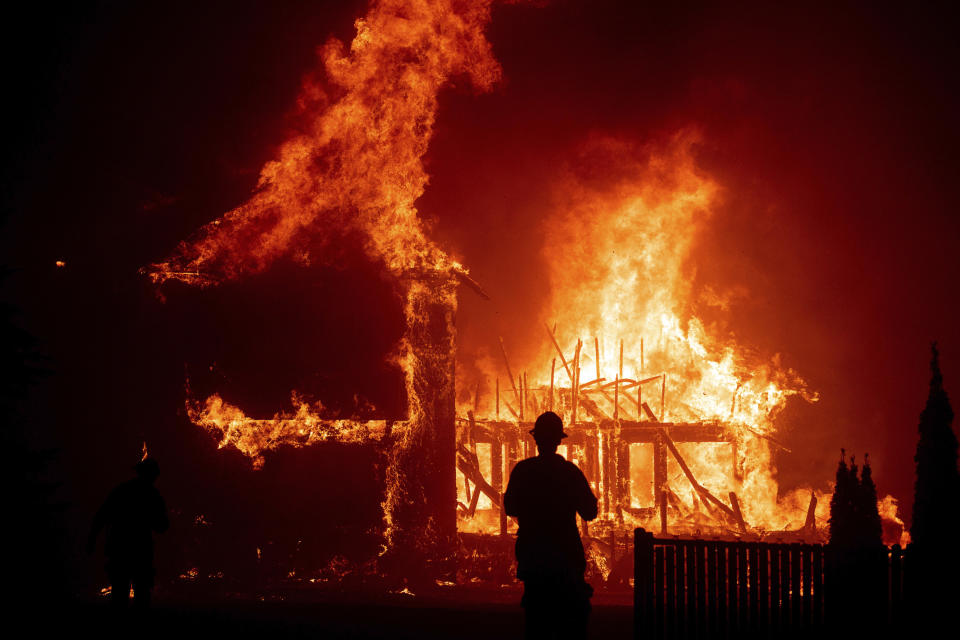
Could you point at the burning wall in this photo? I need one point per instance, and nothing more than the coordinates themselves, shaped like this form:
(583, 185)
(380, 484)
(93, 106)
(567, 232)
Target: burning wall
(358, 167)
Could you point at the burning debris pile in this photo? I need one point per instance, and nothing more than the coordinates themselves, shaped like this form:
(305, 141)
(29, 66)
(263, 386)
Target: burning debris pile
(674, 428)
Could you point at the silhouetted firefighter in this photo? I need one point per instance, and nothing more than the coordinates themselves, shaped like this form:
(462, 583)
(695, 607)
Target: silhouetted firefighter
(133, 511)
(545, 494)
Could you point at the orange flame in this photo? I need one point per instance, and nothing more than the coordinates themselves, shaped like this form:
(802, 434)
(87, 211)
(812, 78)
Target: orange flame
(358, 166)
(618, 248)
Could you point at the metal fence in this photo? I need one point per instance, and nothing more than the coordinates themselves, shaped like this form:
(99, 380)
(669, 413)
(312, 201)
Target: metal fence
(727, 589)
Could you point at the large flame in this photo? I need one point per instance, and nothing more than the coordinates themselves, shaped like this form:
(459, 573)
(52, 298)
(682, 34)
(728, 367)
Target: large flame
(618, 249)
(619, 243)
(358, 166)
(359, 163)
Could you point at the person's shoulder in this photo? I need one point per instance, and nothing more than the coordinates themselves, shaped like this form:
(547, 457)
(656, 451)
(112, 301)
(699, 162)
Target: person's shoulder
(525, 464)
(572, 467)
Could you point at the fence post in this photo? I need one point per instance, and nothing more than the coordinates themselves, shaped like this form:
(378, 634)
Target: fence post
(818, 567)
(642, 583)
(670, 610)
(776, 611)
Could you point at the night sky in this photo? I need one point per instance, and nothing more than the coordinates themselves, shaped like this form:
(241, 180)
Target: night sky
(832, 131)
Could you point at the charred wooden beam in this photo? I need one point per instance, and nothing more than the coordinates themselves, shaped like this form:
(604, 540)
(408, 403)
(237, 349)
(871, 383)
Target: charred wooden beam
(693, 481)
(512, 411)
(563, 358)
(614, 401)
(662, 505)
(553, 366)
(472, 471)
(737, 513)
(660, 475)
(811, 523)
(765, 437)
(607, 471)
(506, 361)
(592, 408)
(649, 412)
(596, 347)
(575, 388)
(623, 477)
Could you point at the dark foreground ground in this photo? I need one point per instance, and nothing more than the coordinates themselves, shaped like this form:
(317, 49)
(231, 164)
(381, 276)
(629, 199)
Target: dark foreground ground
(394, 616)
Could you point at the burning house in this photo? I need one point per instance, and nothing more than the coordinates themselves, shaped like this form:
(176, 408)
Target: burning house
(672, 423)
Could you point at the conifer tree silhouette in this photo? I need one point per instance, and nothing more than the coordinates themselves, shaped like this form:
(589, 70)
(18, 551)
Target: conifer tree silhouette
(936, 501)
(870, 532)
(841, 505)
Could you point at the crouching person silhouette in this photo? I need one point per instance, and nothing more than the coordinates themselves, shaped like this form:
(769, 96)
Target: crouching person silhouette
(132, 512)
(545, 494)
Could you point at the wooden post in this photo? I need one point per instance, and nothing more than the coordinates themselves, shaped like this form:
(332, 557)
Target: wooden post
(712, 599)
(700, 549)
(522, 399)
(753, 561)
(596, 348)
(563, 359)
(605, 470)
(662, 500)
(623, 477)
(620, 369)
(818, 586)
(663, 398)
(795, 593)
(576, 382)
(723, 580)
(776, 607)
(733, 593)
(785, 611)
(642, 584)
(616, 388)
(660, 478)
(671, 591)
(763, 578)
(616, 400)
(498, 399)
(613, 547)
(743, 595)
(503, 350)
(683, 619)
(640, 394)
(810, 525)
(658, 585)
(496, 479)
(692, 588)
(738, 515)
(526, 394)
(807, 566)
(553, 366)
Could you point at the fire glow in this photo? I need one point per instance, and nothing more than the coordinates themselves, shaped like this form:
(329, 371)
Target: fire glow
(621, 353)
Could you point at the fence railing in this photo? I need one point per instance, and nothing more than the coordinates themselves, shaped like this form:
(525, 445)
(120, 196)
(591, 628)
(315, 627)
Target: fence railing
(725, 589)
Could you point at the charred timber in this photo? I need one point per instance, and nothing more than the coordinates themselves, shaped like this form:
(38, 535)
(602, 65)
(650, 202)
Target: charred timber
(630, 431)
